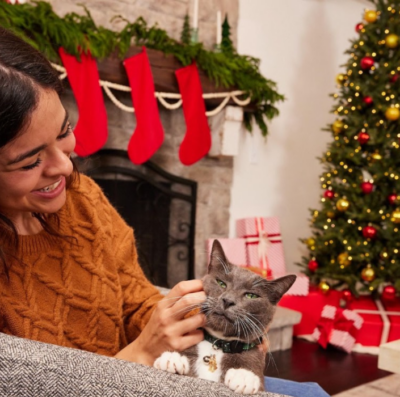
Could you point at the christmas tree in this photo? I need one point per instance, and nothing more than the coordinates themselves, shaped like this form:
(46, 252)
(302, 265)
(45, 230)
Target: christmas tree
(186, 33)
(226, 41)
(355, 245)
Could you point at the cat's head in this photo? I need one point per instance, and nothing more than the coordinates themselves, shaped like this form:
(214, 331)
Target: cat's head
(239, 303)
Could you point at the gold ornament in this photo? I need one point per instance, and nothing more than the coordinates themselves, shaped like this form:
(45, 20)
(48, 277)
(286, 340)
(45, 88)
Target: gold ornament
(340, 78)
(384, 255)
(343, 205)
(211, 362)
(395, 216)
(330, 214)
(343, 259)
(392, 40)
(392, 113)
(376, 157)
(324, 287)
(368, 274)
(310, 242)
(370, 16)
(337, 126)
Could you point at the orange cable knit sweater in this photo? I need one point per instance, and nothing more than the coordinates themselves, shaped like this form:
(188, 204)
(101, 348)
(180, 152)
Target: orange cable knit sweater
(89, 294)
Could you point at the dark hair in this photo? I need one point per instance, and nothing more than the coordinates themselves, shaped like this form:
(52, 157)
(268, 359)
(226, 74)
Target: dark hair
(23, 72)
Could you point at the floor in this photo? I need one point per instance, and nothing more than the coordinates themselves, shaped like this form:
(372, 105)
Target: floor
(334, 370)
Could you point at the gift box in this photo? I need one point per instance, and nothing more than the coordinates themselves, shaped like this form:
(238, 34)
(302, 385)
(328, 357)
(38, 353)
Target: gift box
(300, 287)
(338, 327)
(311, 307)
(381, 320)
(264, 247)
(234, 248)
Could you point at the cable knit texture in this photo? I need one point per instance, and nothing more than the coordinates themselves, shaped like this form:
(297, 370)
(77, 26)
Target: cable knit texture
(89, 292)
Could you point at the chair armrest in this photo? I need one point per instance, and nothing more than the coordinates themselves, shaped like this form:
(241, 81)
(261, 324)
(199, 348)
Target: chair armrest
(29, 368)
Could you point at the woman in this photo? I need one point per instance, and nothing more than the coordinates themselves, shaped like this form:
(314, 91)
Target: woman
(69, 273)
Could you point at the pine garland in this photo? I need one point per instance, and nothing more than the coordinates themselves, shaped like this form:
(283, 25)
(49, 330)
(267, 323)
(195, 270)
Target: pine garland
(41, 27)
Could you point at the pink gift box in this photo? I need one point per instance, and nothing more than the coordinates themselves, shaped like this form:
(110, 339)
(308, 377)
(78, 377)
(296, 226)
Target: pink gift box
(234, 248)
(300, 287)
(263, 243)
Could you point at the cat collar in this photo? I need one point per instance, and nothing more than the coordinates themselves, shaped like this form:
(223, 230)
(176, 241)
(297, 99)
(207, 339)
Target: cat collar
(231, 346)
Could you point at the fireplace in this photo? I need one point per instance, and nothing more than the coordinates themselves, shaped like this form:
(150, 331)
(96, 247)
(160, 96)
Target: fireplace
(160, 207)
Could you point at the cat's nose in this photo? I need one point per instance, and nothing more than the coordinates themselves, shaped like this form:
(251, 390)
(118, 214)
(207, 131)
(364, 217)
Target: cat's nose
(227, 302)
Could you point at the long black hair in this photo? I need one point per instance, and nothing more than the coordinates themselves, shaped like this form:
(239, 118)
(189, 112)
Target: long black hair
(24, 71)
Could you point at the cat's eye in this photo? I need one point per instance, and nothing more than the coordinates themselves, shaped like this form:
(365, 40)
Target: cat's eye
(221, 283)
(251, 296)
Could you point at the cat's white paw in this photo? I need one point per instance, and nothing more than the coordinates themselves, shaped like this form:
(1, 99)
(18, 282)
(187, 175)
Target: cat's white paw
(242, 381)
(172, 362)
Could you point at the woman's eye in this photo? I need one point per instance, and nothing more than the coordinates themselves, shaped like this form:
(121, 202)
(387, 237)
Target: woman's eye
(32, 166)
(66, 133)
(221, 283)
(251, 296)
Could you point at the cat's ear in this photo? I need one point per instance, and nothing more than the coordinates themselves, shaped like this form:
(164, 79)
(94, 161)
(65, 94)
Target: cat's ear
(218, 258)
(276, 288)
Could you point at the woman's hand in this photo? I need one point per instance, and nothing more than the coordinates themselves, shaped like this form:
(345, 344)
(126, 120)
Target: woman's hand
(167, 328)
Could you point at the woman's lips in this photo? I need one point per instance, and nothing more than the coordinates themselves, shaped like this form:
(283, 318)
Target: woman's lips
(51, 191)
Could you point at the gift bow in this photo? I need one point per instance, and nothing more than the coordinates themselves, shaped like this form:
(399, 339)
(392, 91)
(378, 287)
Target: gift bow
(264, 241)
(335, 319)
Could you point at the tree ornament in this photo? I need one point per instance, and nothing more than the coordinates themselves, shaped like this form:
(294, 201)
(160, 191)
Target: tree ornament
(376, 157)
(343, 204)
(347, 295)
(343, 259)
(367, 187)
(359, 27)
(368, 100)
(310, 242)
(313, 265)
(394, 78)
(392, 198)
(368, 274)
(324, 287)
(330, 214)
(370, 16)
(389, 293)
(330, 194)
(337, 126)
(341, 78)
(392, 113)
(395, 216)
(366, 63)
(392, 40)
(363, 138)
(369, 232)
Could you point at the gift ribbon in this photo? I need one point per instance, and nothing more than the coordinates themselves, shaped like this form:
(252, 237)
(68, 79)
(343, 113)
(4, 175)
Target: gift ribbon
(264, 241)
(385, 319)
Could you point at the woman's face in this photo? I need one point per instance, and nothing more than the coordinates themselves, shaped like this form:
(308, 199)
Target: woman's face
(34, 166)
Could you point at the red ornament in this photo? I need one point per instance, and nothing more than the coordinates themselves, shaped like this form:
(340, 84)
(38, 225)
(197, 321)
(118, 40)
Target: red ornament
(359, 27)
(367, 63)
(330, 194)
(363, 138)
(394, 78)
(313, 265)
(392, 198)
(389, 293)
(369, 232)
(368, 100)
(347, 295)
(367, 187)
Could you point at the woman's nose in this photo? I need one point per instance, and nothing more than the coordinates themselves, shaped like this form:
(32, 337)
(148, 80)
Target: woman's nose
(59, 164)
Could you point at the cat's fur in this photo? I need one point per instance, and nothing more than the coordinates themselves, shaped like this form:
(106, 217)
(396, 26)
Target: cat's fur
(231, 315)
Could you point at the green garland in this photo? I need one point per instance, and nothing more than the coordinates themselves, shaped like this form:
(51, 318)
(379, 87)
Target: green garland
(41, 27)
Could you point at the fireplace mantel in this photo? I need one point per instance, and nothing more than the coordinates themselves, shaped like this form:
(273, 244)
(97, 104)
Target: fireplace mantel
(163, 67)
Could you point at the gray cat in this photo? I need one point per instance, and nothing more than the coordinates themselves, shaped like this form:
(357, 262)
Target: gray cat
(239, 306)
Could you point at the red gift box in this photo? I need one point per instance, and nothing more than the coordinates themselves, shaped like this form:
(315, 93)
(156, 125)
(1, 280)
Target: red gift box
(381, 320)
(338, 327)
(234, 248)
(311, 307)
(263, 243)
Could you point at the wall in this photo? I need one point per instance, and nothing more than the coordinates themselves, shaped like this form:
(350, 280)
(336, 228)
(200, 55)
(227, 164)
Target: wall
(301, 45)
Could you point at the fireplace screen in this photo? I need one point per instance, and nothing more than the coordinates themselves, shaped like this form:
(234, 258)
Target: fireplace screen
(160, 207)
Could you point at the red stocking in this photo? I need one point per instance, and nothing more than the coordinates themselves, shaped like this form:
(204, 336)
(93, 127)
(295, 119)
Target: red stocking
(197, 141)
(91, 129)
(149, 133)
